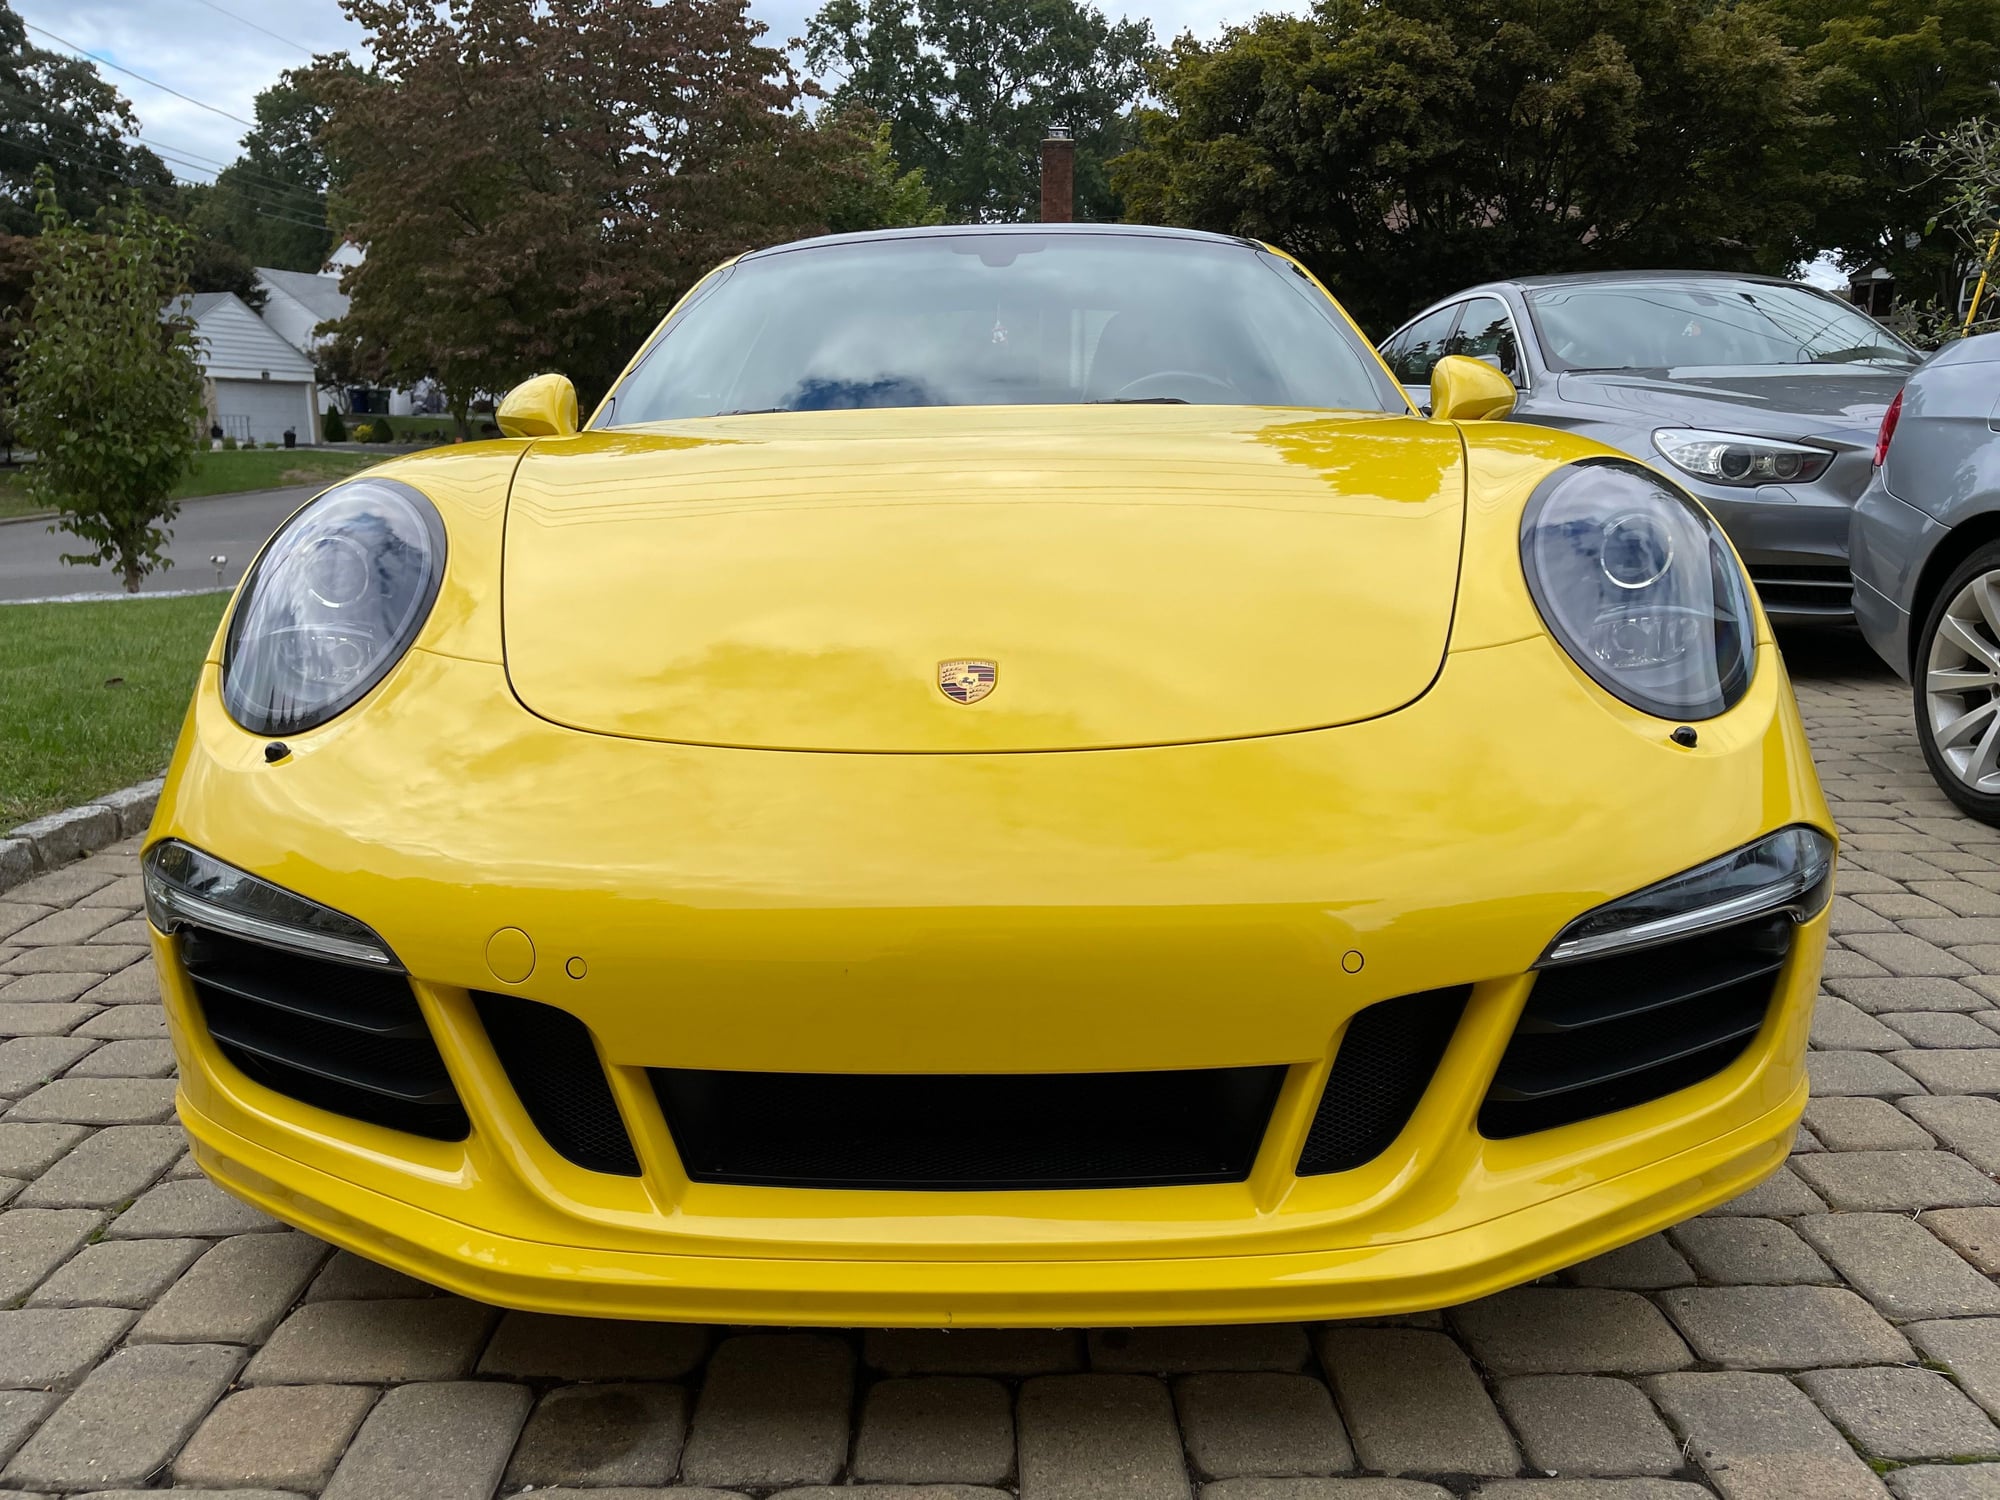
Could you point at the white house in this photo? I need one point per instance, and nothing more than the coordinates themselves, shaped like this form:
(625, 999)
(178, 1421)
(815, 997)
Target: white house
(296, 303)
(257, 385)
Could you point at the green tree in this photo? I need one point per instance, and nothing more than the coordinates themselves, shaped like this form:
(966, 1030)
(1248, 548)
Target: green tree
(875, 192)
(270, 203)
(1963, 166)
(536, 182)
(1406, 148)
(970, 88)
(1880, 73)
(109, 386)
(55, 111)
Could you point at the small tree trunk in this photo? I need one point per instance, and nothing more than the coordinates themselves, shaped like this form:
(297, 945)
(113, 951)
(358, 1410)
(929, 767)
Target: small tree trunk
(458, 418)
(133, 573)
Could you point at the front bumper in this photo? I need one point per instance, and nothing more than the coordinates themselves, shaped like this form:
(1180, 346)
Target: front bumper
(1189, 907)
(1793, 539)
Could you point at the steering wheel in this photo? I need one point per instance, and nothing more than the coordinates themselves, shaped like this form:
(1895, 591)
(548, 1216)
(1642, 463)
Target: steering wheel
(1140, 389)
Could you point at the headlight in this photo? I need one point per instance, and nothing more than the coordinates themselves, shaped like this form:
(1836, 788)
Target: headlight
(1732, 458)
(185, 887)
(1789, 871)
(1640, 588)
(331, 606)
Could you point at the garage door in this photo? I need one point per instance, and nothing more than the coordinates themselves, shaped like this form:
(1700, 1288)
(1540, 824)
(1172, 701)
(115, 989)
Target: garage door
(261, 410)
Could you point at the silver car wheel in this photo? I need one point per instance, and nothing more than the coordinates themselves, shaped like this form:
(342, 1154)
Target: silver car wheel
(1962, 684)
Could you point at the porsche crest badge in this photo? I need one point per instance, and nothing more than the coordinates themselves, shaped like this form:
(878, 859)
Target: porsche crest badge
(967, 681)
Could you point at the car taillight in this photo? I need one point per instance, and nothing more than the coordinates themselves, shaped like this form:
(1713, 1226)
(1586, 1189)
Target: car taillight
(1889, 419)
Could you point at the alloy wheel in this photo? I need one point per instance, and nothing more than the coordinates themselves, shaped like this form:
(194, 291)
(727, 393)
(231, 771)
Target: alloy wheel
(1962, 684)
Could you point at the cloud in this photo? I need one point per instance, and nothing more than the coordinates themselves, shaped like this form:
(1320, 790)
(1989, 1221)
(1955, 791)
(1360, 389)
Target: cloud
(194, 47)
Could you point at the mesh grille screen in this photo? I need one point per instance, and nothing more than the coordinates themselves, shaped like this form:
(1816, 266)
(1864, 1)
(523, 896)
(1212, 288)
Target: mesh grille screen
(1385, 1062)
(553, 1066)
(967, 1132)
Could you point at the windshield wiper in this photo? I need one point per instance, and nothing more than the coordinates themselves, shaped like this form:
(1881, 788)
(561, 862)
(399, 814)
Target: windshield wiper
(754, 411)
(1138, 401)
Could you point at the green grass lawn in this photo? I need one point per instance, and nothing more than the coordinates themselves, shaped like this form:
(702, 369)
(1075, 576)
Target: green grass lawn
(228, 473)
(91, 695)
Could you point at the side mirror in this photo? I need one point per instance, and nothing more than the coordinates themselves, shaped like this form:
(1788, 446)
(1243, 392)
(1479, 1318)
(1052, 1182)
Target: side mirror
(542, 407)
(1466, 390)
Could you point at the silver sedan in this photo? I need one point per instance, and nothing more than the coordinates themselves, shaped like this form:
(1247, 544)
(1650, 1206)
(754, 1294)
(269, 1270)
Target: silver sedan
(1760, 396)
(1926, 548)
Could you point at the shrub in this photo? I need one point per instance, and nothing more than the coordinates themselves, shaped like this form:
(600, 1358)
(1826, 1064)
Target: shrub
(229, 445)
(108, 389)
(381, 432)
(363, 433)
(331, 428)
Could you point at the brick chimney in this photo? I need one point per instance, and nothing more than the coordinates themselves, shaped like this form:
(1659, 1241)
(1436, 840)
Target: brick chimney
(1058, 176)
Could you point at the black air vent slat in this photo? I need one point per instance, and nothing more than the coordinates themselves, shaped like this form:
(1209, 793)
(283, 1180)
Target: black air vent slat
(337, 993)
(968, 1132)
(553, 1065)
(1386, 1058)
(1608, 1033)
(303, 1002)
(333, 1035)
(323, 1051)
(1622, 1049)
(1570, 1001)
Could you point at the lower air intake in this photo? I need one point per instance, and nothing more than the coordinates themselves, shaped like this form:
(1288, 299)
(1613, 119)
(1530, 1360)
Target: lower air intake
(1386, 1058)
(968, 1132)
(552, 1063)
(341, 1038)
(1608, 1033)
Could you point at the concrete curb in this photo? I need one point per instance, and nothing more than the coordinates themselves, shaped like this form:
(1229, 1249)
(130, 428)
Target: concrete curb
(49, 843)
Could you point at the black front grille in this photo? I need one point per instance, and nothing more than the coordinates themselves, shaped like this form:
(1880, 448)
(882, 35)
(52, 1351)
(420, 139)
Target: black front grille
(341, 1038)
(966, 1132)
(552, 1063)
(1386, 1058)
(1608, 1033)
(1805, 587)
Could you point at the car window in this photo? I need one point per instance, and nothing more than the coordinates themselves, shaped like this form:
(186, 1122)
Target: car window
(1715, 322)
(1486, 331)
(971, 318)
(1422, 345)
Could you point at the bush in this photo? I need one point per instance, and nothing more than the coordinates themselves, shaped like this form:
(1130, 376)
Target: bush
(229, 445)
(331, 428)
(363, 433)
(381, 432)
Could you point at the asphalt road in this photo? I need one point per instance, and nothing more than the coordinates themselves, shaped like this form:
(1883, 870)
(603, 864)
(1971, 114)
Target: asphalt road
(235, 526)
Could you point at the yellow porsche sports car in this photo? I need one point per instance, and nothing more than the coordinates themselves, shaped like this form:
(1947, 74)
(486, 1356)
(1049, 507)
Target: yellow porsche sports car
(1005, 776)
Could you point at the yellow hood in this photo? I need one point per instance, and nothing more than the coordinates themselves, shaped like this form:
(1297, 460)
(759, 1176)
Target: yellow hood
(1137, 575)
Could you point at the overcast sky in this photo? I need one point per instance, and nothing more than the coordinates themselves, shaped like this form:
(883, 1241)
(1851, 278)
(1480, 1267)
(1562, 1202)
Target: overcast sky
(221, 52)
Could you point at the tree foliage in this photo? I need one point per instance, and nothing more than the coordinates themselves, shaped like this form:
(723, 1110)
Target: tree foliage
(1406, 148)
(270, 203)
(109, 387)
(1963, 173)
(876, 193)
(1880, 73)
(535, 183)
(970, 88)
(55, 111)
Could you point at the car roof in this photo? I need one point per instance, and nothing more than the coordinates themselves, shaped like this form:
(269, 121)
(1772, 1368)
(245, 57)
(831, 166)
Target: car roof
(1612, 278)
(933, 231)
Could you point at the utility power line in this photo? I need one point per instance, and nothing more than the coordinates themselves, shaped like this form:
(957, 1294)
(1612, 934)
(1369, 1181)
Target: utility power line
(246, 21)
(149, 82)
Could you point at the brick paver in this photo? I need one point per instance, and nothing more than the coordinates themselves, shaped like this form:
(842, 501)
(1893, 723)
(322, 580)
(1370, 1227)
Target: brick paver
(1834, 1332)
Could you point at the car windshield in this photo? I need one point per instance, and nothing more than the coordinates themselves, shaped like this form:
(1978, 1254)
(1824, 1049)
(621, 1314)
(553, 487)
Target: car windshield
(1643, 325)
(1004, 319)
